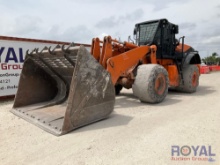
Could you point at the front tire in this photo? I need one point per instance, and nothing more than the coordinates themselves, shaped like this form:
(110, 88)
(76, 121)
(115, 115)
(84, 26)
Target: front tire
(151, 83)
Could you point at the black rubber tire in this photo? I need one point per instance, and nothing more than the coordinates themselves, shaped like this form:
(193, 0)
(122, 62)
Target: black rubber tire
(190, 78)
(144, 86)
(118, 89)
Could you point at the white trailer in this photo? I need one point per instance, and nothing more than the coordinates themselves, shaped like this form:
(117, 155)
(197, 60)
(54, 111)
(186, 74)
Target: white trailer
(12, 55)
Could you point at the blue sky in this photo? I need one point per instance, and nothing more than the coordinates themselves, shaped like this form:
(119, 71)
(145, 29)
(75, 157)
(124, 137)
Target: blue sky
(81, 20)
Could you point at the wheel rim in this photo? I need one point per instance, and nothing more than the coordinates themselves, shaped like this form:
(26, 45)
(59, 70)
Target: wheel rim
(160, 84)
(194, 79)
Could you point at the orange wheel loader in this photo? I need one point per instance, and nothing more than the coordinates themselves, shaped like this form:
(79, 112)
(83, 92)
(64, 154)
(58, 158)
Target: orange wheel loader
(69, 87)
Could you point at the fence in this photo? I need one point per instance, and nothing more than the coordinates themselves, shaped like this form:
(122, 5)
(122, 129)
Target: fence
(208, 69)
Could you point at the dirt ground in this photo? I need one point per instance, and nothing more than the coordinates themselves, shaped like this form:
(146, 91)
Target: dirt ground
(135, 133)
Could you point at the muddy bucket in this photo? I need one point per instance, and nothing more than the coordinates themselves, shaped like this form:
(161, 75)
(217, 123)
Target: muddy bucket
(63, 89)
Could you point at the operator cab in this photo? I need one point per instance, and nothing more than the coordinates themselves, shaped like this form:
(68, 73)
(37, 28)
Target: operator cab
(160, 33)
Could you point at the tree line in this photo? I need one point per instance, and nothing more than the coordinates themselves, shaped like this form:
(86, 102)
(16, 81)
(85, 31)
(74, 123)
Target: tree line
(213, 59)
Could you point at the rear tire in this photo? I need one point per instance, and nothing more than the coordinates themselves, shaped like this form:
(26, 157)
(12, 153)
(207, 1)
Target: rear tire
(151, 83)
(190, 78)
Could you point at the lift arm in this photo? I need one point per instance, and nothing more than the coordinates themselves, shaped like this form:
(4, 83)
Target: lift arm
(117, 57)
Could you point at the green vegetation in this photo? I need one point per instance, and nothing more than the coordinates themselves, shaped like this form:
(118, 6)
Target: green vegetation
(213, 59)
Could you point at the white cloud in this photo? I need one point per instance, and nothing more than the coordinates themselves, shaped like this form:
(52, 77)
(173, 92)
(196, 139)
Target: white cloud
(212, 40)
(101, 36)
(113, 21)
(25, 25)
(81, 20)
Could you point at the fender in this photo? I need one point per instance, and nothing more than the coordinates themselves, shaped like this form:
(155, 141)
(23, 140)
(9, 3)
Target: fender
(192, 58)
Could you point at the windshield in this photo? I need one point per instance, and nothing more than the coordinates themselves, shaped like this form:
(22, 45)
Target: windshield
(147, 33)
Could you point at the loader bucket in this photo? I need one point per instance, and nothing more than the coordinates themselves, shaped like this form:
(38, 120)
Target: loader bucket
(63, 89)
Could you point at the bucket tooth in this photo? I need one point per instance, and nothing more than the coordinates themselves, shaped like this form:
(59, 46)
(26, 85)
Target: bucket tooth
(63, 90)
(50, 51)
(69, 47)
(45, 49)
